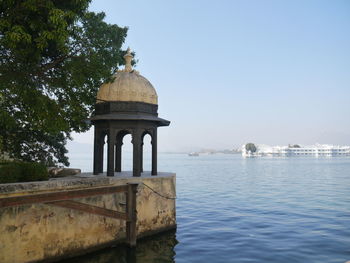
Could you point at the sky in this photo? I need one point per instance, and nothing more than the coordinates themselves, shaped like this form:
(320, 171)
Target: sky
(229, 72)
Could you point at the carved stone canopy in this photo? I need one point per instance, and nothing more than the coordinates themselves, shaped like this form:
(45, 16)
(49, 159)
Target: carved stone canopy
(128, 105)
(127, 85)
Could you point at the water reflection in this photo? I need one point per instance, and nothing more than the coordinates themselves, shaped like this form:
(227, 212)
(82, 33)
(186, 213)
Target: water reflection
(158, 248)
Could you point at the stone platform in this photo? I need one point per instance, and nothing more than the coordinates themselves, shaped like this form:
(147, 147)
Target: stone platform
(41, 232)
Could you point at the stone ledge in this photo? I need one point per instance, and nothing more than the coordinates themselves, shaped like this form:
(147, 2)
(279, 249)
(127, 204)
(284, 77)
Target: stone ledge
(82, 180)
(45, 233)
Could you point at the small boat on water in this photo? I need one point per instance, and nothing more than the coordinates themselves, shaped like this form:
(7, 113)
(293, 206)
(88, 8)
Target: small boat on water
(193, 154)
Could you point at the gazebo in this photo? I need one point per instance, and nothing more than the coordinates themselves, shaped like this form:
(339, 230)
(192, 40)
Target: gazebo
(126, 105)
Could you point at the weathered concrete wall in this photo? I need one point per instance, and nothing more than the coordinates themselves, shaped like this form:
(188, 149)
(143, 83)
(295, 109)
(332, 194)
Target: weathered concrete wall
(40, 232)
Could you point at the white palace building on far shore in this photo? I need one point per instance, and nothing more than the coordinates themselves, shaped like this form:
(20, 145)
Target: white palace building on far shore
(317, 150)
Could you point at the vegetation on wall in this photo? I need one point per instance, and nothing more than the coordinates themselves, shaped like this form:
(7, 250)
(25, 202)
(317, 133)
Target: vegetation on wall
(12, 172)
(54, 55)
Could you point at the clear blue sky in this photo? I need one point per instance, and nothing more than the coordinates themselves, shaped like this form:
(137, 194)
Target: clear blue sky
(231, 72)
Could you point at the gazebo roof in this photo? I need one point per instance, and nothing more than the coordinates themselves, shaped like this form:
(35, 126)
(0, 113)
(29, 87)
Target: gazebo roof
(130, 117)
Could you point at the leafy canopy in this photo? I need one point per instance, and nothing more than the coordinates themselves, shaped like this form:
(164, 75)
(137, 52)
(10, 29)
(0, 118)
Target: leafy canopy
(53, 57)
(250, 147)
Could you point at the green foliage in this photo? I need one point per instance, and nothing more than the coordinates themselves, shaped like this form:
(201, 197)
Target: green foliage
(250, 147)
(54, 55)
(33, 172)
(12, 172)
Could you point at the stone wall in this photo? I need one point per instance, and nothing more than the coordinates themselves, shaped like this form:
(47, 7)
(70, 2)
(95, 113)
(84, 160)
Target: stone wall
(40, 232)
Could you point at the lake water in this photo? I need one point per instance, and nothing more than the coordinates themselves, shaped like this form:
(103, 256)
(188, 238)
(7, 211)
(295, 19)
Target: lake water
(231, 209)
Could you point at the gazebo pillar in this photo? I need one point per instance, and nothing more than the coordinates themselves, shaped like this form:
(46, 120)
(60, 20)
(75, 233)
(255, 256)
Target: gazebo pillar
(98, 151)
(110, 152)
(141, 157)
(154, 152)
(136, 141)
(118, 155)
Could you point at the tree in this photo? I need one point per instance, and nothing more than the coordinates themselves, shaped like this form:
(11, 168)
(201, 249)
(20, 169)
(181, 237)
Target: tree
(54, 55)
(250, 147)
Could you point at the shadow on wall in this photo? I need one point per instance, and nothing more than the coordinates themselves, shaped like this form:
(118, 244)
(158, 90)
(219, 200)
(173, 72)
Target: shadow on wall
(158, 248)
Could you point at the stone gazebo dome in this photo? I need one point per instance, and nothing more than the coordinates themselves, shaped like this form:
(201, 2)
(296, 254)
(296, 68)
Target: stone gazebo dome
(128, 85)
(127, 105)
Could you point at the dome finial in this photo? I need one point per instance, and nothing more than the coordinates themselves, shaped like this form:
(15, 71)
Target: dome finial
(128, 57)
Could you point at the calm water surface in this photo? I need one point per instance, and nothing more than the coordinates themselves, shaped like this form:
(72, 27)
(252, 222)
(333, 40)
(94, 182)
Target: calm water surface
(231, 209)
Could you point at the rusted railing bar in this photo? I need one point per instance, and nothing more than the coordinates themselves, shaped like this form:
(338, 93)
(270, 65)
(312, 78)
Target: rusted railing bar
(60, 196)
(90, 209)
(131, 234)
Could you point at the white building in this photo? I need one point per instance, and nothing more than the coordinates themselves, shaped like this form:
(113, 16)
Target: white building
(313, 150)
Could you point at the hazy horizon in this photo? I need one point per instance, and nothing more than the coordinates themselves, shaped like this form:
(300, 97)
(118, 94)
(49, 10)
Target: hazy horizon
(268, 72)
